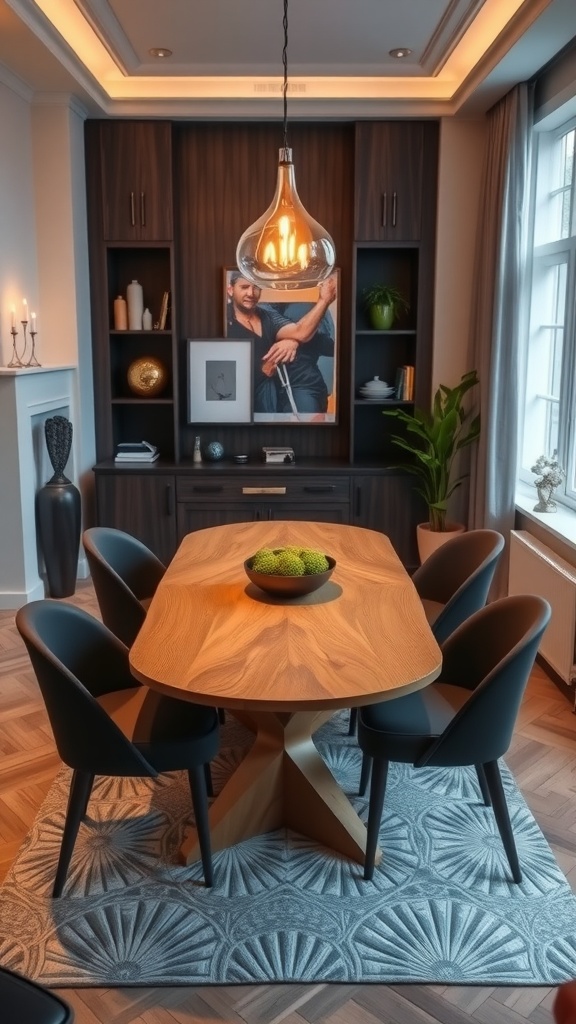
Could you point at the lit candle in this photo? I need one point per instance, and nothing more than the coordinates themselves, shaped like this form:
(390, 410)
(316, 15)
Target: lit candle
(13, 315)
(33, 319)
(24, 309)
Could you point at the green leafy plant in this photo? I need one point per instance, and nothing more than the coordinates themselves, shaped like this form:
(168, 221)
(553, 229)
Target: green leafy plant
(433, 439)
(385, 295)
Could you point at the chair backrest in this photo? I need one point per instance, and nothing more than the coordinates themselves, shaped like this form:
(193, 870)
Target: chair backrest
(124, 572)
(491, 654)
(458, 575)
(77, 659)
(25, 1002)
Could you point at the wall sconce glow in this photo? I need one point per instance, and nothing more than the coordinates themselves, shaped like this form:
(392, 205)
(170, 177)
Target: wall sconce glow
(286, 248)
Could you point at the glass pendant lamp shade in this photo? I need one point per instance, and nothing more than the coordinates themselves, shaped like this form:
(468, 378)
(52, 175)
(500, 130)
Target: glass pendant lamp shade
(286, 248)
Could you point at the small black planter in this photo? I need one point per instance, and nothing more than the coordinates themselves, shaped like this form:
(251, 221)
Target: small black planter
(58, 513)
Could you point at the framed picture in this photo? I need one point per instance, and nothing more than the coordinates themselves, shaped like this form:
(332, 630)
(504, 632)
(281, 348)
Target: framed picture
(219, 381)
(293, 380)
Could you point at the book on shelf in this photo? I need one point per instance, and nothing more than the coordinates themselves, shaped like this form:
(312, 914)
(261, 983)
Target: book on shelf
(404, 383)
(136, 451)
(165, 305)
(279, 454)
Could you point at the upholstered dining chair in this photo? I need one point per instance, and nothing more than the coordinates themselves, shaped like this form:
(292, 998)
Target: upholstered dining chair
(106, 723)
(125, 574)
(466, 716)
(23, 1001)
(454, 582)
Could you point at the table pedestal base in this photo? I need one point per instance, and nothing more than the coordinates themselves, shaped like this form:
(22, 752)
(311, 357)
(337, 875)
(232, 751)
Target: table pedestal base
(283, 782)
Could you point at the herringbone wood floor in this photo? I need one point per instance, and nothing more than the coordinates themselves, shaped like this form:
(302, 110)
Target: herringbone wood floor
(542, 757)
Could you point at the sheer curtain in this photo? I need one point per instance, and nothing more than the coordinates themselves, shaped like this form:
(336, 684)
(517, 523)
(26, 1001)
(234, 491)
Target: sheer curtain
(497, 313)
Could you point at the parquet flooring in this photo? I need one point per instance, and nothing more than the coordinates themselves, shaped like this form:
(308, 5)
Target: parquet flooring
(542, 757)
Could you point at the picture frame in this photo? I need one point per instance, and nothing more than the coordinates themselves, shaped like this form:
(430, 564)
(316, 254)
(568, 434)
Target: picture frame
(219, 380)
(302, 391)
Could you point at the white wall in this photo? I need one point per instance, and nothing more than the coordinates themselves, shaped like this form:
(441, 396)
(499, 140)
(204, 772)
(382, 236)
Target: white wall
(462, 145)
(44, 257)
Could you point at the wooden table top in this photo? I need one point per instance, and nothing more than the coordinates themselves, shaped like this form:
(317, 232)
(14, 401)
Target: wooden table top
(213, 637)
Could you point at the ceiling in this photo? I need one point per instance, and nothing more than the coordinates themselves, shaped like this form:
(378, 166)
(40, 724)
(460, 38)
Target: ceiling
(227, 56)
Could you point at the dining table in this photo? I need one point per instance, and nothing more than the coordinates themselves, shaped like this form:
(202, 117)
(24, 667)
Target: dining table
(284, 666)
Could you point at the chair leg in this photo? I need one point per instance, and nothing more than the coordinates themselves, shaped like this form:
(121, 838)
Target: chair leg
(483, 785)
(80, 789)
(197, 781)
(221, 716)
(502, 817)
(208, 778)
(377, 791)
(352, 721)
(365, 774)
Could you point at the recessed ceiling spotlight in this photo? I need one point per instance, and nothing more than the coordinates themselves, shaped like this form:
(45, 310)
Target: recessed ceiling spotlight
(402, 51)
(160, 51)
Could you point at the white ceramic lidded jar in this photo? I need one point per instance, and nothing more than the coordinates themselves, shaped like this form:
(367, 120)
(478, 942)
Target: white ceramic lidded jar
(135, 300)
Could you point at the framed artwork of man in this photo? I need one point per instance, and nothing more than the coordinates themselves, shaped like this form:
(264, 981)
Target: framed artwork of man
(294, 337)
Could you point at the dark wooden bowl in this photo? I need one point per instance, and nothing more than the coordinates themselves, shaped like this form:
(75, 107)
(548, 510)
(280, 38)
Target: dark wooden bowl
(289, 586)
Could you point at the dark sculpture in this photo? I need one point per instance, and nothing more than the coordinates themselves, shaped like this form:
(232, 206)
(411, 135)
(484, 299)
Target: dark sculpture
(58, 512)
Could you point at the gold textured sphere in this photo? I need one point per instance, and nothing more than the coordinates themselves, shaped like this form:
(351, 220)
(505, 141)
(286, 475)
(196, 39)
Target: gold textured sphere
(147, 376)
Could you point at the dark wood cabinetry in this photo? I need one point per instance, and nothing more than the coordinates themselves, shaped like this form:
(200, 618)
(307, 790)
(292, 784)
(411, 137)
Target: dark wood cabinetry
(143, 504)
(391, 158)
(379, 205)
(136, 167)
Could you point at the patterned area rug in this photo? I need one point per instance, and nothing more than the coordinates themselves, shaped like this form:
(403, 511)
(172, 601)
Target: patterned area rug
(440, 908)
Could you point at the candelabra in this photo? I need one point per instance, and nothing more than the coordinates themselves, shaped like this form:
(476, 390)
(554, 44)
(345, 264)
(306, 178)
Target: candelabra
(20, 361)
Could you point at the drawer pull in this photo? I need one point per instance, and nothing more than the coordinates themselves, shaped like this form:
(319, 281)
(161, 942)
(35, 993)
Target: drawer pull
(326, 489)
(263, 490)
(208, 489)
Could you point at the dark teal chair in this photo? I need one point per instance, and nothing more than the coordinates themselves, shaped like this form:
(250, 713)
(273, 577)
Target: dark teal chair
(465, 717)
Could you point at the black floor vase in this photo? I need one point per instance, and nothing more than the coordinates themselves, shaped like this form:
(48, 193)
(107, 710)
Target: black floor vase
(58, 513)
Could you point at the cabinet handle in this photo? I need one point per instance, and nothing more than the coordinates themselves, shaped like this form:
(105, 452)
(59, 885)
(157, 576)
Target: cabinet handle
(263, 490)
(394, 207)
(143, 209)
(358, 500)
(384, 204)
(169, 500)
(325, 489)
(132, 210)
(207, 489)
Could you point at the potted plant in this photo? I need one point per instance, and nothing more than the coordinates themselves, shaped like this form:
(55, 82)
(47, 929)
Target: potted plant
(383, 304)
(433, 440)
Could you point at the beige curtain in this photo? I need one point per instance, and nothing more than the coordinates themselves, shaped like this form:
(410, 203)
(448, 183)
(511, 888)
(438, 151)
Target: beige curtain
(498, 313)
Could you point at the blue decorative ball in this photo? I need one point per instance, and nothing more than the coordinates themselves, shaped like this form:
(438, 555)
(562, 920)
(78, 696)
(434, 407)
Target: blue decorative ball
(214, 451)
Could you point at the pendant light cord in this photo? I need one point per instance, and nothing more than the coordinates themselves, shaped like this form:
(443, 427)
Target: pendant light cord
(285, 64)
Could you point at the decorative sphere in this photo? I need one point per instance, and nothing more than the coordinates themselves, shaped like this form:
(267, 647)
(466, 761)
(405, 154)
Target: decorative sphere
(214, 451)
(147, 376)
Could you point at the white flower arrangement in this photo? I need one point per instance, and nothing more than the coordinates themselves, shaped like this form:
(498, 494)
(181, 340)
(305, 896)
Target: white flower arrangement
(550, 475)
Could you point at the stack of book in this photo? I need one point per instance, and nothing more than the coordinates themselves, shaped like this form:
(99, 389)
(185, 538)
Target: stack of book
(278, 454)
(136, 451)
(405, 383)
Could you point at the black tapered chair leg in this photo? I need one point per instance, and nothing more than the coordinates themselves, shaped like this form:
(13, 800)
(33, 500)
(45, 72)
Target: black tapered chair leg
(78, 797)
(197, 781)
(377, 792)
(483, 785)
(352, 721)
(502, 816)
(365, 774)
(221, 716)
(208, 778)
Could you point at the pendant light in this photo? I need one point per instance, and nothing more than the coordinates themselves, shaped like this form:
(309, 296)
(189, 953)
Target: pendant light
(285, 248)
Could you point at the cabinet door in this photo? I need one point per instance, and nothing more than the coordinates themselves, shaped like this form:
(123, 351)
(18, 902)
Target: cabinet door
(201, 516)
(141, 504)
(311, 513)
(136, 180)
(390, 504)
(389, 165)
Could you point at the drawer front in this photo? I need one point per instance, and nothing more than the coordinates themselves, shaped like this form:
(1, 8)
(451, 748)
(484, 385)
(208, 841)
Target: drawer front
(259, 488)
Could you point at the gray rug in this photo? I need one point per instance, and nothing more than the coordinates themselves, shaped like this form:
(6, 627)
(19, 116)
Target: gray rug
(440, 908)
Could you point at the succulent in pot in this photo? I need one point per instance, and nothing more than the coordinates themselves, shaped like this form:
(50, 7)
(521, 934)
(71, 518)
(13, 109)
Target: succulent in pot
(384, 305)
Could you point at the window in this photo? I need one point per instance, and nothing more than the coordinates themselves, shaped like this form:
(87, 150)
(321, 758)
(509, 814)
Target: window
(550, 392)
